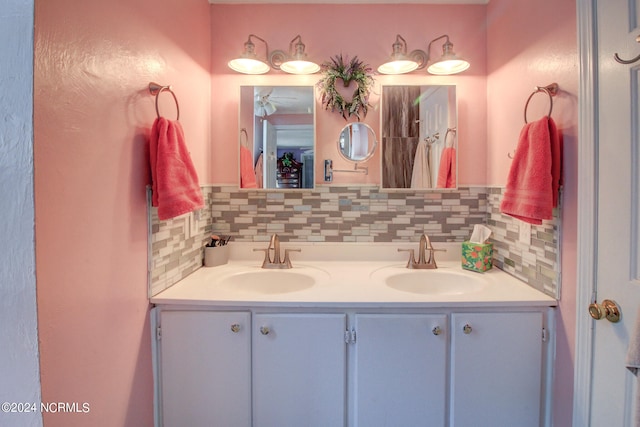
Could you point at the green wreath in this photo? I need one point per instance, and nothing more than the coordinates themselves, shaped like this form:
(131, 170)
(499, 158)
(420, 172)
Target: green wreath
(355, 71)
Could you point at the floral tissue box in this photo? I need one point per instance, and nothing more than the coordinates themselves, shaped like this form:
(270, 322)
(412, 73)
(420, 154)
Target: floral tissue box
(477, 256)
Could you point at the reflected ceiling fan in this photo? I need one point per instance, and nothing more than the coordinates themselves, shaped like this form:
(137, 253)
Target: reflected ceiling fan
(266, 103)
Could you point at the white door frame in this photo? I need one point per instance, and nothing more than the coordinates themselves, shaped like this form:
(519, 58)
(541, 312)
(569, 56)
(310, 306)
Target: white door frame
(587, 207)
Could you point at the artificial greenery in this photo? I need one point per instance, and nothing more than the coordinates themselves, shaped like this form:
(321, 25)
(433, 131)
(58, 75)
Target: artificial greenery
(287, 159)
(354, 70)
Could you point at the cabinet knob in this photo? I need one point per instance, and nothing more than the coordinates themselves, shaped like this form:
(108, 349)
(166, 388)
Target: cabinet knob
(437, 330)
(264, 330)
(467, 329)
(235, 328)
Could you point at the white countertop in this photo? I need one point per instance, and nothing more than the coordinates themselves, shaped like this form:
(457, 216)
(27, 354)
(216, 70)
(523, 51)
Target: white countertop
(350, 282)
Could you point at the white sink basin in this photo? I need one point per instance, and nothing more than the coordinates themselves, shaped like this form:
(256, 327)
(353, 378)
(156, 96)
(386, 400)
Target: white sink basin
(434, 282)
(269, 281)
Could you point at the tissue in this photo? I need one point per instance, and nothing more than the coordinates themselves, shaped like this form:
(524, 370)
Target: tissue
(477, 255)
(480, 234)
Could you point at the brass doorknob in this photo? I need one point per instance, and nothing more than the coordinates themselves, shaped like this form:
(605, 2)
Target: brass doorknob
(608, 309)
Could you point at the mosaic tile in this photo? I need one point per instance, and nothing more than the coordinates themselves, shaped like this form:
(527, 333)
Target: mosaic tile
(521, 259)
(353, 214)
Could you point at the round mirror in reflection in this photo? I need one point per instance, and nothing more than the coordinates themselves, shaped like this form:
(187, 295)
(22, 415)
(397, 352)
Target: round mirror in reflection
(357, 142)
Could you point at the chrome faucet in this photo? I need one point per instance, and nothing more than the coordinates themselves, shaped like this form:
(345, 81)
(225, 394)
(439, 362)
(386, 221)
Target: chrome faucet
(423, 262)
(276, 261)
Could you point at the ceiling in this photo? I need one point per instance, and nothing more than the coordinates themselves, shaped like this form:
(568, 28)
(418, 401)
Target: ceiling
(288, 99)
(350, 1)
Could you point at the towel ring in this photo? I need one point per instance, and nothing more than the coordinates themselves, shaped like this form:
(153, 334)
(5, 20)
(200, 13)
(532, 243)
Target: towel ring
(243, 132)
(156, 90)
(452, 131)
(551, 90)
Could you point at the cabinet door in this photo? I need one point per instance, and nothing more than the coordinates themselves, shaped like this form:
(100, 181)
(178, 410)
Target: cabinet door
(299, 370)
(205, 368)
(400, 370)
(496, 369)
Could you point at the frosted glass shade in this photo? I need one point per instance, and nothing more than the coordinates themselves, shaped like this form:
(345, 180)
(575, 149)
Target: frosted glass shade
(248, 66)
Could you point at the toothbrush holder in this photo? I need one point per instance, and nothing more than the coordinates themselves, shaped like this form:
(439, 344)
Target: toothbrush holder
(216, 255)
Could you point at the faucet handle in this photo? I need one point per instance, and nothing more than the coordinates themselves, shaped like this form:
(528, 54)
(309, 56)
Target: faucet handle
(412, 256)
(432, 259)
(266, 260)
(287, 260)
(432, 250)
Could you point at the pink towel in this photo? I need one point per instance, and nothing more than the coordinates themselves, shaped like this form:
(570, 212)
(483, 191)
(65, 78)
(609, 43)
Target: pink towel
(247, 173)
(174, 180)
(447, 169)
(535, 175)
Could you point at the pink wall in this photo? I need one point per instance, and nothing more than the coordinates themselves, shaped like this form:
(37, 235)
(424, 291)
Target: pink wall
(363, 30)
(92, 115)
(533, 44)
(93, 62)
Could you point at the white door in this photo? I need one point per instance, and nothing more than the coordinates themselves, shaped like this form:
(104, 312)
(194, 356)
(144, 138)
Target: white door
(617, 246)
(496, 369)
(434, 112)
(270, 155)
(400, 370)
(299, 370)
(205, 370)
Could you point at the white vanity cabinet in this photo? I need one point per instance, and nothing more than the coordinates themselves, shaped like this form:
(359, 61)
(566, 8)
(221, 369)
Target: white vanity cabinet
(204, 362)
(400, 369)
(354, 367)
(299, 369)
(496, 369)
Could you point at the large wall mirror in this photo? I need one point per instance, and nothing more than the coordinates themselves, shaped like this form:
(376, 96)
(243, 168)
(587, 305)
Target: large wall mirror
(277, 137)
(419, 137)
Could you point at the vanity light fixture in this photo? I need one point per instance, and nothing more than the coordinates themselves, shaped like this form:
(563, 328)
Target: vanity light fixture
(449, 62)
(401, 62)
(248, 62)
(297, 62)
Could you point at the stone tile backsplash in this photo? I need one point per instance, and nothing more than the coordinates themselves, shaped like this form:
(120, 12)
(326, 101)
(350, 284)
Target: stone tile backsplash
(349, 214)
(175, 250)
(536, 263)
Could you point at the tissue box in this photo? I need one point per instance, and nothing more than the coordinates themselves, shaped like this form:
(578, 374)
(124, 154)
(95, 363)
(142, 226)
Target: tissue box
(477, 256)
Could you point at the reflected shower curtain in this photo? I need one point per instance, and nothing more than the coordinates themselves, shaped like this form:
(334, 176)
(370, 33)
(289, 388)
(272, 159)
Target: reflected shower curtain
(401, 135)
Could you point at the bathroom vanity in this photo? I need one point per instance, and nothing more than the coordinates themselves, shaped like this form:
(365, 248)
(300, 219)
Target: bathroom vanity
(357, 342)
